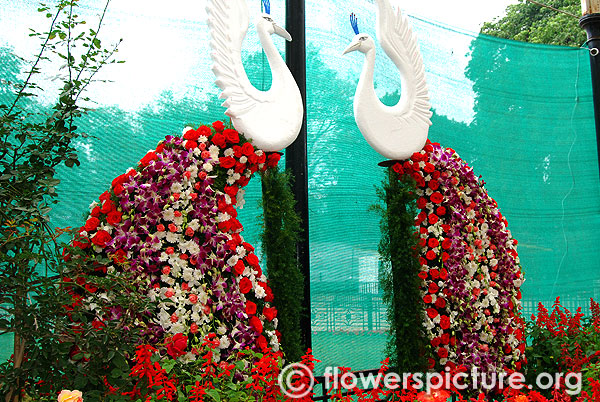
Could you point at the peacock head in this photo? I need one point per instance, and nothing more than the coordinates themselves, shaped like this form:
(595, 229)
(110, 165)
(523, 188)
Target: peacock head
(361, 41)
(267, 23)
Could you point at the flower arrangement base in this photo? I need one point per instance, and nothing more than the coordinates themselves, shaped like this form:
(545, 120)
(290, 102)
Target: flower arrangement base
(170, 224)
(468, 266)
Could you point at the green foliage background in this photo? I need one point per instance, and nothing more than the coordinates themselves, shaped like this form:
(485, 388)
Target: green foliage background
(399, 279)
(528, 22)
(279, 238)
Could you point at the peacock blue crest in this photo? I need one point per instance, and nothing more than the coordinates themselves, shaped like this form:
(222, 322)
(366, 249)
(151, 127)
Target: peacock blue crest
(354, 23)
(267, 6)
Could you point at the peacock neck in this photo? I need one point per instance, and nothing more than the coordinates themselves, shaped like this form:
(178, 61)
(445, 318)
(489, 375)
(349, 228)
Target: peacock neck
(276, 63)
(366, 84)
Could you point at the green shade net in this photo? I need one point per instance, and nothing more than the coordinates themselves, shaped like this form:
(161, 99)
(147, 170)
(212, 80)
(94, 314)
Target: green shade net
(521, 115)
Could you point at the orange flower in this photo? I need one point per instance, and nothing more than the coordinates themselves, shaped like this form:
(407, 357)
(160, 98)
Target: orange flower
(70, 396)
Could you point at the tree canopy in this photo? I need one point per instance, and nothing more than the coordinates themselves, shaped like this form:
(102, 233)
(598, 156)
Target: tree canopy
(529, 22)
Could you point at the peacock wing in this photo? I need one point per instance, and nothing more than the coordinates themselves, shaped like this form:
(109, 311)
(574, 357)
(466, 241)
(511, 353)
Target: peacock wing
(228, 22)
(399, 42)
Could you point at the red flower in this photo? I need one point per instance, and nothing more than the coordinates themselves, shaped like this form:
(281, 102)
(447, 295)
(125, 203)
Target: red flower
(441, 211)
(237, 151)
(270, 313)
(433, 287)
(423, 275)
(429, 167)
(431, 255)
(269, 297)
(150, 156)
(261, 341)
(433, 242)
(204, 131)
(433, 218)
(446, 244)
(432, 313)
(256, 324)
(434, 184)
(95, 211)
(227, 162)
(104, 196)
(427, 299)
(231, 136)
(247, 149)
(252, 259)
(119, 180)
(422, 202)
(250, 307)
(193, 328)
(119, 257)
(177, 345)
(440, 302)
(398, 168)
(444, 322)
(190, 144)
(445, 338)
(191, 135)
(107, 206)
(273, 160)
(101, 238)
(442, 353)
(239, 267)
(218, 126)
(231, 190)
(245, 285)
(114, 217)
(219, 140)
(91, 224)
(437, 197)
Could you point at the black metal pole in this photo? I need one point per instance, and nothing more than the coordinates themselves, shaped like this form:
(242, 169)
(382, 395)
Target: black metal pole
(591, 24)
(296, 154)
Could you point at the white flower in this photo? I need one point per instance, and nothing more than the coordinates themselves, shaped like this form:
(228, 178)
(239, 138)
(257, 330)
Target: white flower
(243, 159)
(188, 357)
(173, 237)
(194, 224)
(207, 167)
(168, 214)
(214, 152)
(232, 260)
(192, 247)
(176, 187)
(228, 152)
(224, 342)
(259, 292)
(223, 217)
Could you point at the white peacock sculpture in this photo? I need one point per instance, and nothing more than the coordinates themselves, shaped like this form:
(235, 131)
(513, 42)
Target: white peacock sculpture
(271, 119)
(396, 132)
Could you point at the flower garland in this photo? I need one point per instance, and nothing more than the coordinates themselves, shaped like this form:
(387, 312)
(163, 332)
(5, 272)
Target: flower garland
(171, 223)
(470, 268)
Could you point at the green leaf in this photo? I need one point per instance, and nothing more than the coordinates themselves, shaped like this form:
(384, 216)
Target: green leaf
(168, 365)
(214, 394)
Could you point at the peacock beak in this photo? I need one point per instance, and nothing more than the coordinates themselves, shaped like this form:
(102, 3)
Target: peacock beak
(352, 47)
(282, 32)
